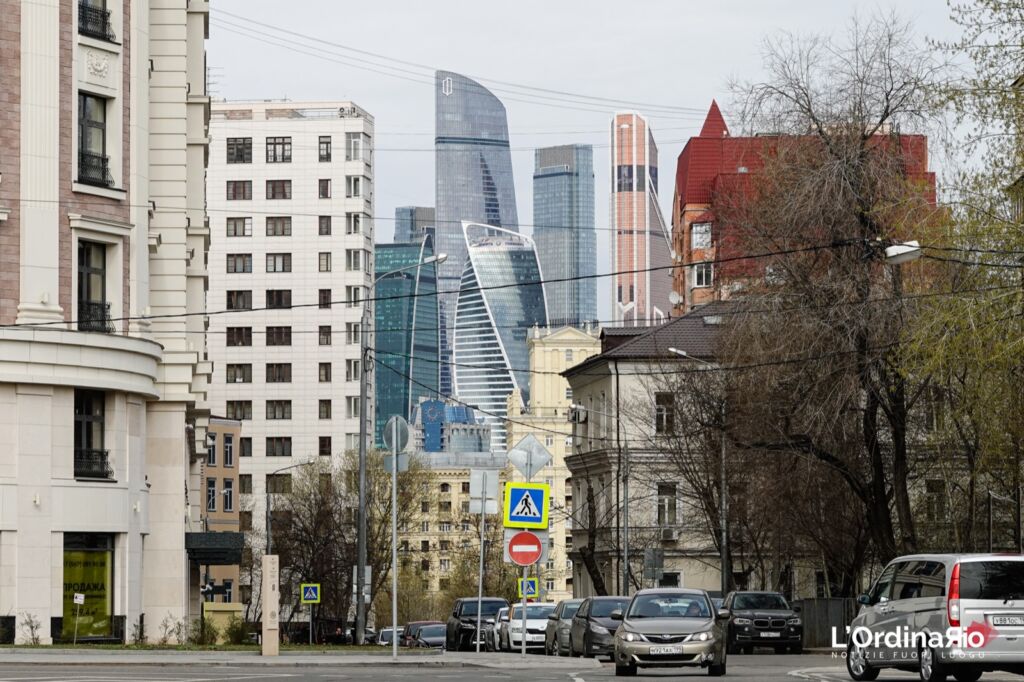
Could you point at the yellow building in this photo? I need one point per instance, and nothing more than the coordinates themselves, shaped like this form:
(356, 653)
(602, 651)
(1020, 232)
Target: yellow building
(545, 416)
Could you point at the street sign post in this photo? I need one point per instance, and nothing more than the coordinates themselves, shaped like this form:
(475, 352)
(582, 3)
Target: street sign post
(525, 548)
(483, 500)
(396, 437)
(310, 595)
(79, 600)
(529, 456)
(528, 588)
(526, 505)
(542, 535)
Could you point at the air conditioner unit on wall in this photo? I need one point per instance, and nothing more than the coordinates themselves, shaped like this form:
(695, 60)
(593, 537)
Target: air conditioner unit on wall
(669, 535)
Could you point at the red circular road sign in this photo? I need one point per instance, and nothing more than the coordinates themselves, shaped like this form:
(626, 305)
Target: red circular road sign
(524, 548)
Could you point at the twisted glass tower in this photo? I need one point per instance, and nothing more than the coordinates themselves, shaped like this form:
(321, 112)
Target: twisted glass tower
(497, 306)
(473, 175)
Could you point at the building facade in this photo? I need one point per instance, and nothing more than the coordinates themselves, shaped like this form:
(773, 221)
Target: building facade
(563, 228)
(413, 222)
(473, 175)
(544, 417)
(103, 368)
(447, 426)
(405, 330)
(221, 503)
(495, 313)
(641, 246)
(291, 198)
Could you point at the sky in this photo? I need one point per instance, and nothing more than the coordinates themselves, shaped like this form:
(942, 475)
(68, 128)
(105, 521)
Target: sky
(675, 53)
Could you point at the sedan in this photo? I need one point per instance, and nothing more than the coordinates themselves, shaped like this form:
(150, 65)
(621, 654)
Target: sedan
(556, 637)
(592, 631)
(670, 628)
(431, 637)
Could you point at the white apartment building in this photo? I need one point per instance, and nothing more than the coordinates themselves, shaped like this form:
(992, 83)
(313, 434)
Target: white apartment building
(102, 412)
(290, 189)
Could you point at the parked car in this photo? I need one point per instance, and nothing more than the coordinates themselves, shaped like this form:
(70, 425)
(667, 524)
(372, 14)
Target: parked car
(924, 595)
(536, 624)
(592, 630)
(430, 636)
(492, 630)
(670, 628)
(461, 628)
(556, 636)
(412, 631)
(763, 619)
(385, 635)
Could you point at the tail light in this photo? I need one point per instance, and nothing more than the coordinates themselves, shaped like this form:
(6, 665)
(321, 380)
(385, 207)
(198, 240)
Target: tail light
(953, 598)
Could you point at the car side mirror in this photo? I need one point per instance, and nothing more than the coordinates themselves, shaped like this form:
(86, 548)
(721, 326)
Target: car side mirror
(552, 616)
(489, 621)
(723, 614)
(864, 599)
(797, 609)
(616, 614)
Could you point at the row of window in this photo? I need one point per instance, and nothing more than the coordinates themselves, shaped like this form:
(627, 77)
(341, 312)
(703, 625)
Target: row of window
(282, 409)
(227, 492)
(279, 149)
(282, 336)
(239, 263)
(275, 299)
(276, 373)
(281, 226)
(241, 190)
(229, 452)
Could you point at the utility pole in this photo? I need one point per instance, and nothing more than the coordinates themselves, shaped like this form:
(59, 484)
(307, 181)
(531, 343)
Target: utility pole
(724, 514)
(625, 521)
(361, 509)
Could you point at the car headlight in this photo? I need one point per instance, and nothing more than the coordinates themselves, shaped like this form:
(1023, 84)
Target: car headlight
(702, 636)
(630, 637)
(516, 627)
(594, 627)
(793, 621)
(741, 621)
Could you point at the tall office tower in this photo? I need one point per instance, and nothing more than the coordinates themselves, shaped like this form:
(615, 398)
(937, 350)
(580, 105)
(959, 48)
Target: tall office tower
(494, 316)
(413, 222)
(103, 412)
(291, 198)
(642, 246)
(405, 330)
(473, 175)
(563, 228)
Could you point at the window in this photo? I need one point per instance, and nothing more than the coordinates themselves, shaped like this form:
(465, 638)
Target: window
(229, 494)
(353, 186)
(94, 20)
(354, 223)
(279, 189)
(279, 372)
(353, 296)
(324, 188)
(279, 409)
(446, 487)
(229, 450)
(666, 504)
(446, 545)
(211, 494)
(325, 226)
(279, 262)
(352, 333)
(352, 409)
(624, 178)
(239, 409)
(279, 483)
(93, 162)
(325, 261)
(239, 150)
(549, 441)
(279, 150)
(425, 566)
(464, 506)
(325, 372)
(278, 446)
(325, 446)
(279, 298)
(239, 336)
(445, 564)
(239, 226)
(239, 374)
(325, 409)
(239, 262)
(465, 528)
(239, 190)
(228, 592)
(244, 517)
(703, 274)
(239, 299)
(279, 226)
(425, 526)
(357, 147)
(568, 392)
(279, 336)
(245, 484)
(325, 335)
(245, 446)
(700, 236)
(353, 259)
(352, 370)
(325, 148)
(664, 413)
(93, 307)
(445, 526)
(324, 298)
(211, 452)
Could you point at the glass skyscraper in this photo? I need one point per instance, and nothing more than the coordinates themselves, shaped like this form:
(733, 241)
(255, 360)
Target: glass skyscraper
(412, 222)
(406, 330)
(473, 175)
(496, 309)
(563, 228)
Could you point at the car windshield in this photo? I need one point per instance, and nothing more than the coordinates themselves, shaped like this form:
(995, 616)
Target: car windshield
(432, 631)
(487, 608)
(759, 601)
(604, 607)
(570, 610)
(385, 636)
(992, 580)
(533, 611)
(669, 606)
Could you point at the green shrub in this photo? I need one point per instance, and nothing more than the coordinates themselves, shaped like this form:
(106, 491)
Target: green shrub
(203, 632)
(236, 631)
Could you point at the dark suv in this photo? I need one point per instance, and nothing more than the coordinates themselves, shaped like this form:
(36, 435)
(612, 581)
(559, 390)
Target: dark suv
(462, 622)
(763, 619)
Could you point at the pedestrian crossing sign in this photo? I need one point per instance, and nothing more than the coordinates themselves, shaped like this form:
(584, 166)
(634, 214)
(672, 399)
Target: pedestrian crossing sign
(310, 593)
(526, 505)
(527, 588)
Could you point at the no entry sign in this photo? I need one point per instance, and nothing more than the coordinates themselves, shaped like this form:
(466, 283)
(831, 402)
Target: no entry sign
(525, 548)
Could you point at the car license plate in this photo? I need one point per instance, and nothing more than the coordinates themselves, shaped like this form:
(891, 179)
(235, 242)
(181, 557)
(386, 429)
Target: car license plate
(666, 650)
(771, 634)
(1007, 620)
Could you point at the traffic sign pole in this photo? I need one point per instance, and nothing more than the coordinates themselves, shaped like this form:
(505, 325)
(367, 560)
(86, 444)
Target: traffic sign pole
(526, 575)
(480, 586)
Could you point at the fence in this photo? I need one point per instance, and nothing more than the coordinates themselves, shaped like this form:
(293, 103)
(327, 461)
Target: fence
(820, 616)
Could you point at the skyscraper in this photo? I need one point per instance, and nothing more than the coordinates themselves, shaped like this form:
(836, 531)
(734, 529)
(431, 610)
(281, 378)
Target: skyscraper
(642, 246)
(412, 222)
(563, 228)
(494, 315)
(405, 333)
(473, 176)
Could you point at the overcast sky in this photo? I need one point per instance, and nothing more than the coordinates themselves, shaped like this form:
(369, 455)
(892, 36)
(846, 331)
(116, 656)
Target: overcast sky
(679, 53)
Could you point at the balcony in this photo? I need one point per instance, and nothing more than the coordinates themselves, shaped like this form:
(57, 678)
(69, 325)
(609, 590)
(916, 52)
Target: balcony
(94, 169)
(94, 316)
(94, 22)
(93, 464)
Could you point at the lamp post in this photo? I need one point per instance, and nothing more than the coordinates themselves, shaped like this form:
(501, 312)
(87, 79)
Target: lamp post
(363, 390)
(282, 469)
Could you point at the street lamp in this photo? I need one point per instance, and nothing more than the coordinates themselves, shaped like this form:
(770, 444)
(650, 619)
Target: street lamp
(723, 501)
(363, 390)
(309, 461)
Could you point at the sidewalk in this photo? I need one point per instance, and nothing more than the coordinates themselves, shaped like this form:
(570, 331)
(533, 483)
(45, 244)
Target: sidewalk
(101, 657)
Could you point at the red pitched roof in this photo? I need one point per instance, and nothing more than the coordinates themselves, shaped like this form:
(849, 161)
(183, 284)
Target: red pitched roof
(714, 124)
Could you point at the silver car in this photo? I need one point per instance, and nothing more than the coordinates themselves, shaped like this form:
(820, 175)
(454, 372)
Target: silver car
(556, 638)
(941, 615)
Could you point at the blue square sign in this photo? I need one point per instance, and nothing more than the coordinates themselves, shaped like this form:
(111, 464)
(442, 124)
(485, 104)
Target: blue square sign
(526, 505)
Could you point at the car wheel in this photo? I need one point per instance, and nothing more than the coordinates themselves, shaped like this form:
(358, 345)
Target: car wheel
(796, 649)
(930, 667)
(716, 669)
(586, 648)
(967, 674)
(628, 670)
(857, 666)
